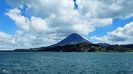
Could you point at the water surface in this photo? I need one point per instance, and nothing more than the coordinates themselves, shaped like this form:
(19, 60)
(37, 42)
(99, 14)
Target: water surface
(65, 63)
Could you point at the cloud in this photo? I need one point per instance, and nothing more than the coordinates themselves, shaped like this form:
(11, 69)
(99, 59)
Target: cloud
(6, 41)
(121, 35)
(32, 31)
(45, 22)
(105, 8)
(27, 24)
(21, 21)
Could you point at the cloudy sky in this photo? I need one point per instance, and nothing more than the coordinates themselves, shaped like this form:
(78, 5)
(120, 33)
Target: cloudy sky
(36, 23)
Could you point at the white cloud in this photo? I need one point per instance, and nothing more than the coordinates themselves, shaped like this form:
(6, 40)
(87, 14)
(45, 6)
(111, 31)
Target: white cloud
(21, 21)
(27, 24)
(52, 20)
(33, 32)
(6, 41)
(122, 35)
(39, 24)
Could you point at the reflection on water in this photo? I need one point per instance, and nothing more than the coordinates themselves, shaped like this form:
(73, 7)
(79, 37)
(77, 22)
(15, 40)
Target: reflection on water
(65, 63)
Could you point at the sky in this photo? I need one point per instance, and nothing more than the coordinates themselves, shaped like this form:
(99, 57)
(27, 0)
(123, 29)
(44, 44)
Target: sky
(37, 23)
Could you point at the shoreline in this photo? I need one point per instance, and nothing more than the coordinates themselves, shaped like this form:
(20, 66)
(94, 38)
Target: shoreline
(75, 51)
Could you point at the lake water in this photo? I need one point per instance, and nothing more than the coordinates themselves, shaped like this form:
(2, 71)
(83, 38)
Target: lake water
(65, 63)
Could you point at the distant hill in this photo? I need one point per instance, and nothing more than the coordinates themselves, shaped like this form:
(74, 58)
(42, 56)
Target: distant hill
(128, 46)
(104, 44)
(119, 48)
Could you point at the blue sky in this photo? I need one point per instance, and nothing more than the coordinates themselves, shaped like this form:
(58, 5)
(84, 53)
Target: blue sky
(41, 18)
(7, 25)
(117, 22)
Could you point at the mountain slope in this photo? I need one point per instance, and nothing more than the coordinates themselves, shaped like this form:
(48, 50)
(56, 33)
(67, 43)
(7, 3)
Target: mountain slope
(79, 47)
(73, 39)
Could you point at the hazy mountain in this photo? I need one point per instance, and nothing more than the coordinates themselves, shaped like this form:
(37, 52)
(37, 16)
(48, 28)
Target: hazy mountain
(104, 44)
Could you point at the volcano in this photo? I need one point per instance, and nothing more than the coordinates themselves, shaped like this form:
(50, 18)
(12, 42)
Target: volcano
(74, 38)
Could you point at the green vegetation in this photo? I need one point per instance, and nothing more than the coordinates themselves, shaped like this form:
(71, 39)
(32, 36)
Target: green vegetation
(118, 48)
(85, 47)
(81, 47)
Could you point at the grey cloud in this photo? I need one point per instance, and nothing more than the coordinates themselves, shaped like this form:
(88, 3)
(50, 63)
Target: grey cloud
(121, 35)
(116, 38)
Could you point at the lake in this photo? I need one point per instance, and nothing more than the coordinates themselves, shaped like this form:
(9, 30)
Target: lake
(65, 63)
